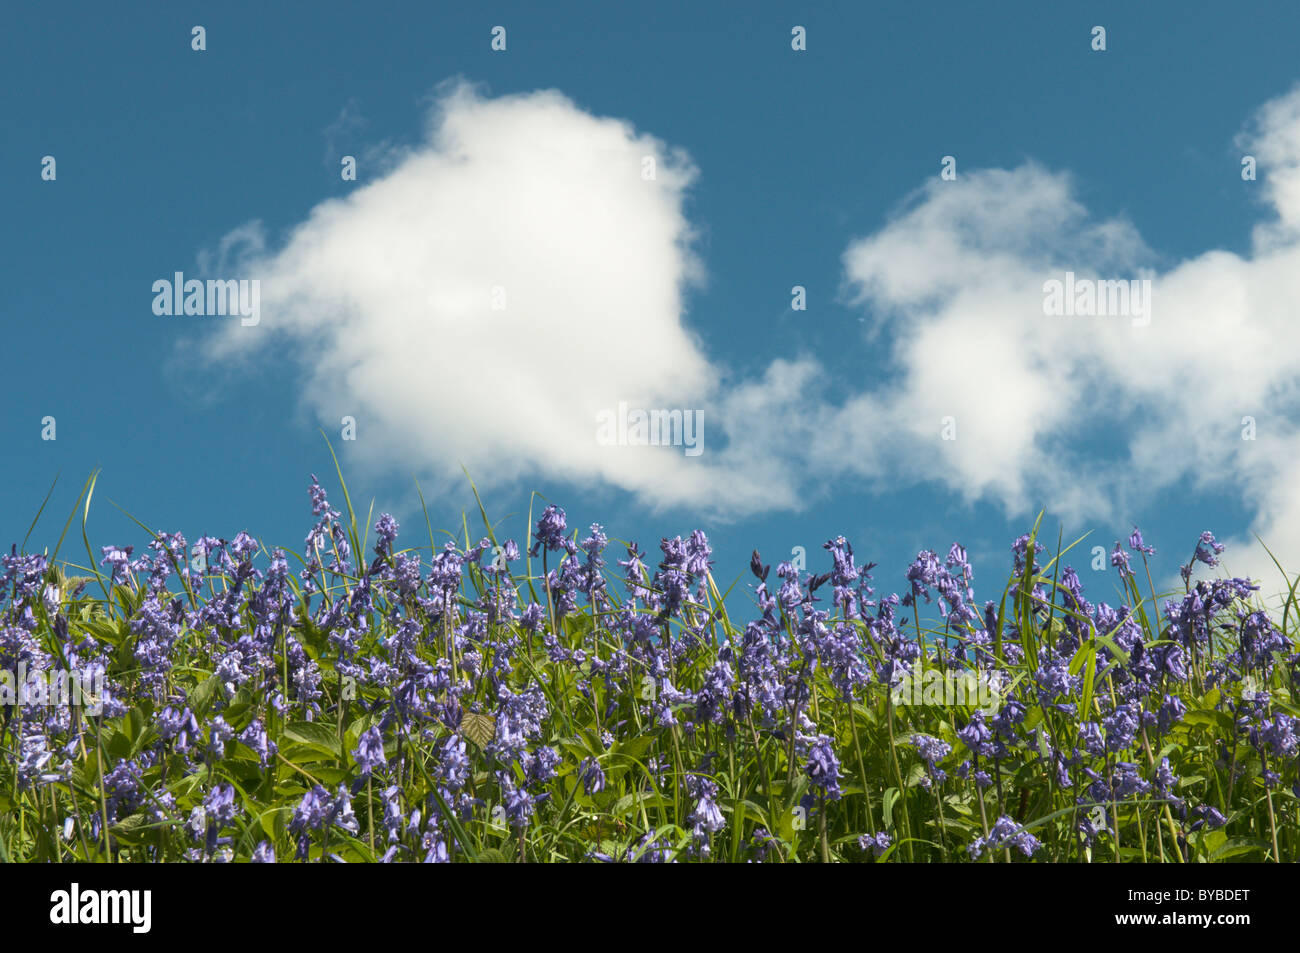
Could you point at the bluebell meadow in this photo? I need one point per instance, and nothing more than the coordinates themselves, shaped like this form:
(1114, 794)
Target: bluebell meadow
(547, 699)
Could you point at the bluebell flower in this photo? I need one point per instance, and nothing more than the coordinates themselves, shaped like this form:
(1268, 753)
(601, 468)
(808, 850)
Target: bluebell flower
(386, 529)
(1119, 559)
(1005, 833)
(823, 768)
(369, 753)
(877, 843)
(1135, 543)
(550, 533)
(591, 776)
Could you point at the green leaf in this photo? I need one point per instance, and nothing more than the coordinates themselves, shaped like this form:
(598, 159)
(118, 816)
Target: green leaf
(478, 728)
(1238, 847)
(891, 795)
(1211, 719)
(314, 733)
(276, 822)
(200, 696)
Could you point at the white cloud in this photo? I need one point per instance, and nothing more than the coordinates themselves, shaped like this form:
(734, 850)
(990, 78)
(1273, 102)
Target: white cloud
(958, 278)
(385, 298)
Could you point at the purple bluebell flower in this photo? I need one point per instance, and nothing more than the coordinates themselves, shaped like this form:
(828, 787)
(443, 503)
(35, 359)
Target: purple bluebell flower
(452, 770)
(386, 529)
(540, 766)
(1135, 543)
(312, 811)
(1208, 550)
(824, 768)
(1210, 817)
(591, 776)
(1119, 559)
(1020, 550)
(1005, 833)
(550, 531)
(877, 843)
(369, 752)
(705, 817)
(1171, 712)
(976, 736)
(518, 803)
(932, 751)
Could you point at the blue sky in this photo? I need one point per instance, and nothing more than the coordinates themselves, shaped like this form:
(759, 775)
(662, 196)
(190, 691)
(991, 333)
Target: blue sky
(806, 170)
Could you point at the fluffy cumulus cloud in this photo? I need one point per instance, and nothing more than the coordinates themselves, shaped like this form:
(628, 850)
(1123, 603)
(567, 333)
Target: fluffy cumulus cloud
(486, 298)
(388, 296)
(959, 278)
